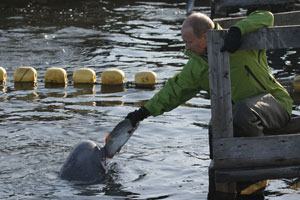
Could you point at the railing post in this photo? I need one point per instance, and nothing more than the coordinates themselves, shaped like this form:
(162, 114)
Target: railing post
(220, 90)
(220, 95)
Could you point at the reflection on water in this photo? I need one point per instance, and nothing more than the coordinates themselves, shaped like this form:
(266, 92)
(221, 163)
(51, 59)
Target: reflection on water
(110, 103)
(56, 85)
(59, 94)
(107, 89)
(3, 88)
(25, 85)
(32, 96)
(83, 89)
(41, 123)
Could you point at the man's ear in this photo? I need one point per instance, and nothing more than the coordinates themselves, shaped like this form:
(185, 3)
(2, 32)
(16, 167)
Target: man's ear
(204, 36)
(204, 39)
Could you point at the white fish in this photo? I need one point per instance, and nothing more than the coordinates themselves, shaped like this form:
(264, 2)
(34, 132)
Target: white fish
(118, 137)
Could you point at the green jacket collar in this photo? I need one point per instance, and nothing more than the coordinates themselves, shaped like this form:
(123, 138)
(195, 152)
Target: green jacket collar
(192, 55)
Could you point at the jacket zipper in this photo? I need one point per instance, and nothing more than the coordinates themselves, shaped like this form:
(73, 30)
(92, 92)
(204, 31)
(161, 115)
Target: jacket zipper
(255, 78)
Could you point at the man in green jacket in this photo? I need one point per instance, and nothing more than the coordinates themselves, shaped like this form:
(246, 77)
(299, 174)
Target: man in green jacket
(259, 101)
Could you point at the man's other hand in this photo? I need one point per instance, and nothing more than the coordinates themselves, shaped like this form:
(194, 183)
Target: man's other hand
(233, 40)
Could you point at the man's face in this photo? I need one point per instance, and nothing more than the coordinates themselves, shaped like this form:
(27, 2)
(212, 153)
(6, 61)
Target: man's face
(192, 42)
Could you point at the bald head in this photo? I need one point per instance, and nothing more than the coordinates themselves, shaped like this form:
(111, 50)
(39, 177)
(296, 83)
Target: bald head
(200, 23)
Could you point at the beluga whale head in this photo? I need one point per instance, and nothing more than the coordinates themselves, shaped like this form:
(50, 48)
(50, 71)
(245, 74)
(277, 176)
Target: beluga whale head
(86, 164)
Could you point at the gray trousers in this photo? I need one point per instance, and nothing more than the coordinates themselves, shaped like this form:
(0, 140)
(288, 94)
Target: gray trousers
(254, 115)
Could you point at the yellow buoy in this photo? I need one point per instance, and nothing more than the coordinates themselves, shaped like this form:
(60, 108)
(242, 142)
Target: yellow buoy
(84, 75)
(56, 75)
(297, 83)
(3, 74)
(145, 79)
(112, 76)
(25, 74)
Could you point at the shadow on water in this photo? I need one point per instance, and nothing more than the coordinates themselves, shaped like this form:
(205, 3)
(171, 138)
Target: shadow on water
(111, 187)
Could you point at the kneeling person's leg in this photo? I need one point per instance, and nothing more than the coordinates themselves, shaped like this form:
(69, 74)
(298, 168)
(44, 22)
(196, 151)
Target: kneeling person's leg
(252, 115)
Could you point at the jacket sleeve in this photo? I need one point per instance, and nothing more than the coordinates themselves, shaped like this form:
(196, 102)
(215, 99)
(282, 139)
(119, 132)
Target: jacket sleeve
(256, 20)
(180, 88)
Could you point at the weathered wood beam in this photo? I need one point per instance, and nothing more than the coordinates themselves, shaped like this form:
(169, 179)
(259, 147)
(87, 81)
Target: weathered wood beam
(247, 152)
(219, 79)
(257, 174)
(250, 2)
(280, 19)
(280, 37)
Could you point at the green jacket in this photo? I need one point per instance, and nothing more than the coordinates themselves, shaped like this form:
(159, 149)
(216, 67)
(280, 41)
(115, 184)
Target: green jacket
(250, 74)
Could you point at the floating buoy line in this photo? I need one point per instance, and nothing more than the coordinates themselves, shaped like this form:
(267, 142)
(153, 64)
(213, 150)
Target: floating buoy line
(56, 76)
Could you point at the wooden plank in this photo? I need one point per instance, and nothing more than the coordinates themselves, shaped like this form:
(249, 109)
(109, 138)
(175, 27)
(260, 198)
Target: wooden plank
(287, 18)
(280, 37)
(280, 19)
(219, 78)
(250, 2)
(257, 174)
(267, 151)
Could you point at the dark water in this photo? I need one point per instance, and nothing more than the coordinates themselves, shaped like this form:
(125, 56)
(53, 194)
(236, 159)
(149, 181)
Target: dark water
(167, 158)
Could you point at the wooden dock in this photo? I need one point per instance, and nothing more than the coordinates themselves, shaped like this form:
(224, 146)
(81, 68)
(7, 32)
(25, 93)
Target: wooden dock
(221, 8)
(250, 158)
(280, 19)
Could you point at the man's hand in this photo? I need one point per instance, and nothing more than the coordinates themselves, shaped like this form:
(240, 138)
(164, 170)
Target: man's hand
(137, 115)
(233, 40)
